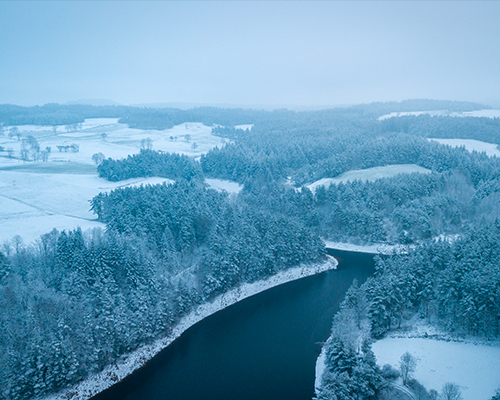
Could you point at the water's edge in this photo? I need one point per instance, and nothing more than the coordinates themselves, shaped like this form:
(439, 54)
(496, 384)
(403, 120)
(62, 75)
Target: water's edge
(116, 372)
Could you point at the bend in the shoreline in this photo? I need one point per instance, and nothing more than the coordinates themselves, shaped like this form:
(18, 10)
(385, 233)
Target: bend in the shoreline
(135, 360)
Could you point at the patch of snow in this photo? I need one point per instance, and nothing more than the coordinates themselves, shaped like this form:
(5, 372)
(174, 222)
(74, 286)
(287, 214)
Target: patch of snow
(244, 127)
(32, 204)
(491, 149)
(40, 196)
(124, 367)
(370, 174)
(375, 248)
(477, 113)
(474, 367)
(41, 224)
(224, 185)
(447, 238)
(402, 114)
(89, 123)
(319, 370)
(191, 138)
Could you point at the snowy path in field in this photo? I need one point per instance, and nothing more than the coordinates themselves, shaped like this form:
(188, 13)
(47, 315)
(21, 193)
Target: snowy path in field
(474, 367)
(113, 373)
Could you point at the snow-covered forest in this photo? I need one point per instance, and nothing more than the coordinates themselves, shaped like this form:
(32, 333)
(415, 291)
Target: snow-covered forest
(75, 301)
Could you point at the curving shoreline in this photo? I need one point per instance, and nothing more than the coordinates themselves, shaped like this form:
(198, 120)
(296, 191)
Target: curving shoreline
(135, 360)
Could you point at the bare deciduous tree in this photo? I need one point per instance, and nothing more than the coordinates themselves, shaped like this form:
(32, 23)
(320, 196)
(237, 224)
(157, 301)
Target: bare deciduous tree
(98, 158)
(407, 365)
(451, 391)
(146, 144)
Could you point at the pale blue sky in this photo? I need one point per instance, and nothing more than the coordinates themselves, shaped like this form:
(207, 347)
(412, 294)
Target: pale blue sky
(249, 53)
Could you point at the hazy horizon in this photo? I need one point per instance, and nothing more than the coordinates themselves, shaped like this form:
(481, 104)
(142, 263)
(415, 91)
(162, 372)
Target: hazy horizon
(265, 54)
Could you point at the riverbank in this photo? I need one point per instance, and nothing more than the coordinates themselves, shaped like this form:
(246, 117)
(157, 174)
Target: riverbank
(320, 369)
(118, 371)
(376, 248)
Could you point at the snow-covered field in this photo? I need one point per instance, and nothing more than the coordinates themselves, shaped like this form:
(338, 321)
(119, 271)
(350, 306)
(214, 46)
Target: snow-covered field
(491, 149)
(402, 114)
(370, 174)
(36, 197)
(224, 185)
(477, 113)
(99, 382)
(32, 204)
(376, 248)
(474, 367)
(113, 139)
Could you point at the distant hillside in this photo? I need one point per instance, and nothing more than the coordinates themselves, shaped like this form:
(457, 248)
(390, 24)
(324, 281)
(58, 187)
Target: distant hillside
(381, 108)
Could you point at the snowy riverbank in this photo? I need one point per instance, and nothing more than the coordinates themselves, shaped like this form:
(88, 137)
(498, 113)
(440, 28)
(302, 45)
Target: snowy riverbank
(320, 369)
(116, 372)
(377, 248)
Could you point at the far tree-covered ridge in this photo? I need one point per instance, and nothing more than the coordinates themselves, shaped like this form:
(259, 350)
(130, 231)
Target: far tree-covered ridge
(164, 118)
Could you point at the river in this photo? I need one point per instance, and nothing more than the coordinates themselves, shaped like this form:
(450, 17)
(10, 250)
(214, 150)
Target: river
(264, 347)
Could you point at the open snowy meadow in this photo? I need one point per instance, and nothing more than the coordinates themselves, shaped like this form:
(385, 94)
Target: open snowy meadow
(491, 149)
(370, 174)
(477, 113)
(37, 196)
(474, 367)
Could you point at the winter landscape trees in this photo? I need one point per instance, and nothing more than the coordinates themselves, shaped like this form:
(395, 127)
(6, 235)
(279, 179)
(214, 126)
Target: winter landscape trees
(74, 302)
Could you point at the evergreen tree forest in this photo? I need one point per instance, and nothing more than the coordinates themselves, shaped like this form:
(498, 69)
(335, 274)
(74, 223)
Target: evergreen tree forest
(74, 302)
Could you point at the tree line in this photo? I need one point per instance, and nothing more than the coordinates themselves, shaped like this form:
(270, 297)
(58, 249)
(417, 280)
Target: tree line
(149, 163)
(75, 302)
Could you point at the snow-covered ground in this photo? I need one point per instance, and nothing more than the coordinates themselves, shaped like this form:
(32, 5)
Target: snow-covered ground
(244, 127)
(477, 113)
(319, 370)
(119, 140)
(402, 114)
(474, 367)
(370, 174)
(224, 185)
(36, 197)
(491, 149)
(99, 382)
(32, 204)
(376, 248)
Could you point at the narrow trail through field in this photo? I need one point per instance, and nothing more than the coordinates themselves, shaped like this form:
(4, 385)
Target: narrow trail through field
(45, 211)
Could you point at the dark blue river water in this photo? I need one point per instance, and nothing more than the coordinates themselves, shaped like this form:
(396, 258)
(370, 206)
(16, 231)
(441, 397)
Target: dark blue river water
(262, 348)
